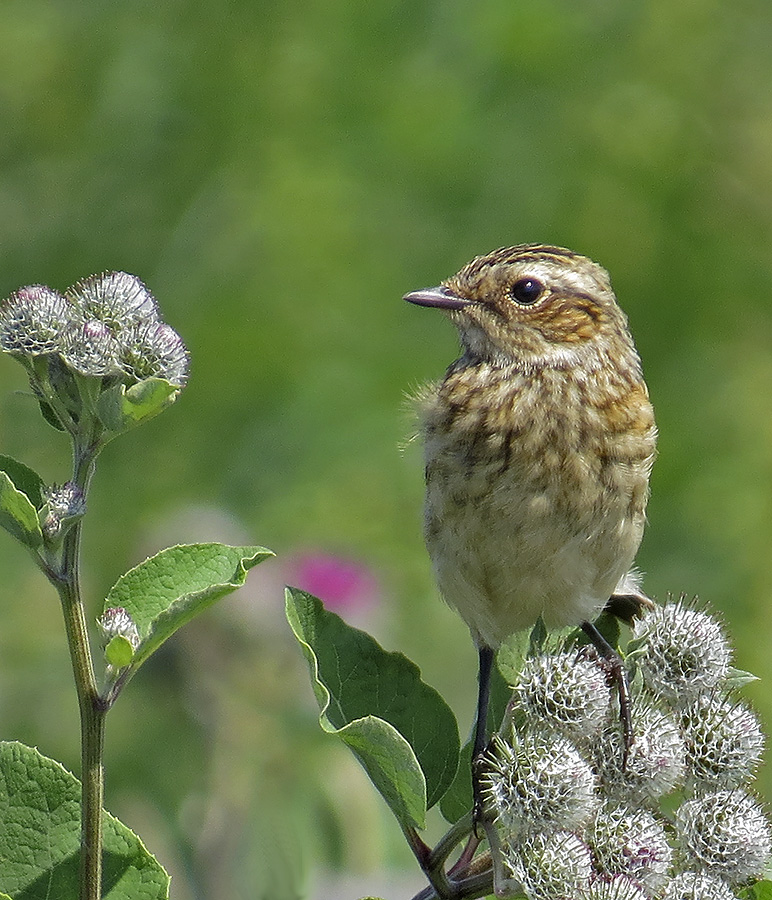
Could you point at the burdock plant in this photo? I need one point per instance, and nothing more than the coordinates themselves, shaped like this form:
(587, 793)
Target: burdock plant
(673, 818)
(100, 361)
(570, 812)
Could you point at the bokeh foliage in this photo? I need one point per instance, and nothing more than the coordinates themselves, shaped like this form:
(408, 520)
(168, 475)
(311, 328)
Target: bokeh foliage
(279, 174)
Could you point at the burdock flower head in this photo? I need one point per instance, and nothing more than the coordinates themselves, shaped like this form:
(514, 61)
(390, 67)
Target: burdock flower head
(538, 782)
(104, 334)
(120, 332)
(632, 843)
(551, 865)
(33, 320)
(566, 690)
(680, 651)
(120, 636)
(117, 622)
(655, 764)
(724, 742)
(725, 834)
(153, 350)
(115, 298)
(615, 887)
(698, 886)
(673, 818)
(64, 504)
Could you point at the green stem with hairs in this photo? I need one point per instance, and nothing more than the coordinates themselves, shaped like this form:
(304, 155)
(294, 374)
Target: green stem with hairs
(92, 712)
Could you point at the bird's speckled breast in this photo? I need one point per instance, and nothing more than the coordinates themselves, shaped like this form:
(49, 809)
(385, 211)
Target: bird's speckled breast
(536, 490)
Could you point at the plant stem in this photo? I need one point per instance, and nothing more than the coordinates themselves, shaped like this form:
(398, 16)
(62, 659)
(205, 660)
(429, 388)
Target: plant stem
(468, 878)
(471, 888)
(92, 715)
(452, 837)
(434, 871)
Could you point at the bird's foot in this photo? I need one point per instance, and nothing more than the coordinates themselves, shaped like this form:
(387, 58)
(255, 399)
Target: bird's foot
(628, 606)
(618, 675)
(478, 799)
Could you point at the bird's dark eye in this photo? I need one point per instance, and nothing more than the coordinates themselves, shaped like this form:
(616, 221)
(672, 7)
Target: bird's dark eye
(526, 291)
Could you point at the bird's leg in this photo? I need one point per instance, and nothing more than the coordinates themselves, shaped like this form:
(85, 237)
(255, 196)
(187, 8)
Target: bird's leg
(486, 655)
(618, 673)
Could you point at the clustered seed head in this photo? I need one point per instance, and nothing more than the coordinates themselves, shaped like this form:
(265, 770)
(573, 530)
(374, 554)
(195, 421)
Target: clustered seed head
(552, 866)
(32, 320)
(90, 348)
(539, 781)
(632, 843)
(726, 834)
(683, 652)
(154, 350)
(63, 504)
(565, 690)
(105, 326)
(655, 763)
(615, 887)
(115, 298)
(697, 886)
(66, 500)
(723, 742)
(561, 774)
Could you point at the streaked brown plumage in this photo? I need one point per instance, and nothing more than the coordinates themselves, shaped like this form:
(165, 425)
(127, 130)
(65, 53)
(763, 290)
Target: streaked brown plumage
(538, 444)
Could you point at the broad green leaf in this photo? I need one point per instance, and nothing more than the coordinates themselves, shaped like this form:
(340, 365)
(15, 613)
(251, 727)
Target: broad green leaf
(513, 653)
(164, 592)
(400, 728)
(121, 408)
(17, 515)
(40, 836)
(520, 646)
(457, 800)
(609, 626)
(24, 479)
(762, 890)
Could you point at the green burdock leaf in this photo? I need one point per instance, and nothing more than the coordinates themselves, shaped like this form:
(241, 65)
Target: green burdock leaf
(40, 836)
(17, 514)
(121, 408)
(164, 592)
(762, 890)
(401, 730)
(458, 798)
(24, 479)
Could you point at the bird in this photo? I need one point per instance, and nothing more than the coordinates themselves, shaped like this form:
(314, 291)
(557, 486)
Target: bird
(538, 446)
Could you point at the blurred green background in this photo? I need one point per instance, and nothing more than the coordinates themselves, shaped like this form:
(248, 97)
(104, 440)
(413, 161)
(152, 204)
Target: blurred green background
(280, 174)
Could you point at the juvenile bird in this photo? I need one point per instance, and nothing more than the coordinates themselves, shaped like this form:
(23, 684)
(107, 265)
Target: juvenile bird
(538, 447)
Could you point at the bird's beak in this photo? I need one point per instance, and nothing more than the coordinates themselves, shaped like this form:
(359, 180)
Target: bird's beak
(441, 297)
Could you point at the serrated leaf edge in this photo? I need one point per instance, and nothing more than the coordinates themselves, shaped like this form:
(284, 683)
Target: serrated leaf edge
(108, 816)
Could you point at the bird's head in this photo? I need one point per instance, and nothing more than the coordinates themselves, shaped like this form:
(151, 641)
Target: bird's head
(531, 306)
